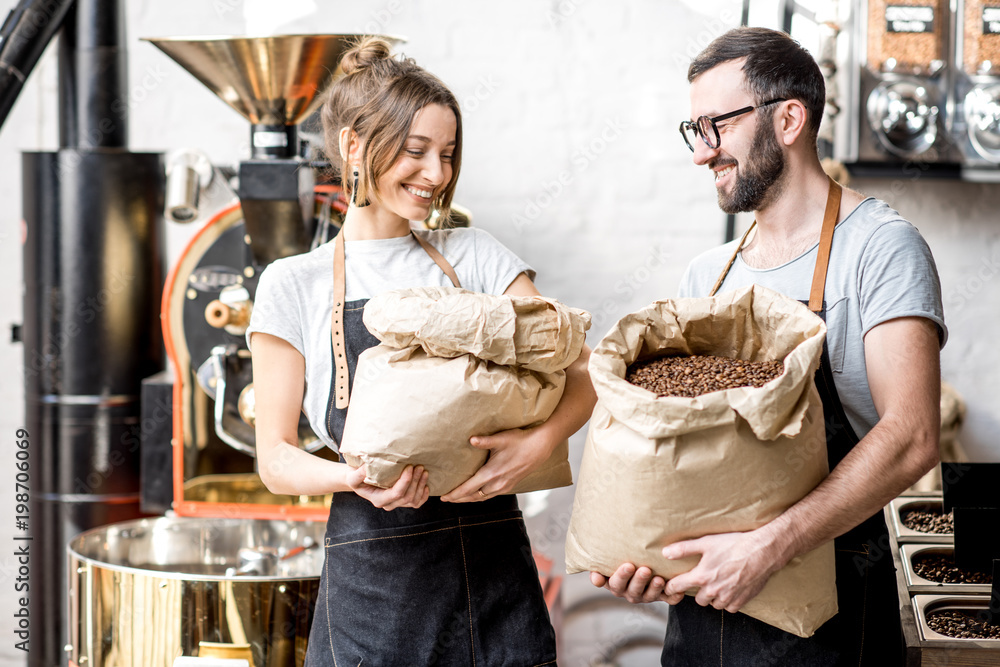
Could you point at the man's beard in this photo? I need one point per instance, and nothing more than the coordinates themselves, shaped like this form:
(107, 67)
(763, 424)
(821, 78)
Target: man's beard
(761, 169)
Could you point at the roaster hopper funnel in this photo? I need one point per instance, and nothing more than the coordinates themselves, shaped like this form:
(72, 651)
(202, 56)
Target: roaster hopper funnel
(274, 82)
(268, 80)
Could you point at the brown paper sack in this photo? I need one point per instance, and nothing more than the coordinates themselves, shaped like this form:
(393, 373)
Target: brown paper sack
(659, 470)
(453, 364)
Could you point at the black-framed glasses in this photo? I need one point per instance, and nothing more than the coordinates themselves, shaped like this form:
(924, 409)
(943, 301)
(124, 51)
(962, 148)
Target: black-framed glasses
(707, 129)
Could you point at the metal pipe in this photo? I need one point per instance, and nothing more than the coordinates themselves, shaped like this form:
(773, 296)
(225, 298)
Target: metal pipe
(69, 135)
(26, 32)
(101, 74)
(92, 272)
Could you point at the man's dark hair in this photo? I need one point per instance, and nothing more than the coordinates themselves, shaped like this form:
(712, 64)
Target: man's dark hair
(776, 66)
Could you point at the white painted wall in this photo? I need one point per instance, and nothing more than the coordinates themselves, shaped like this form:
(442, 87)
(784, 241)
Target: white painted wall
(572, 159)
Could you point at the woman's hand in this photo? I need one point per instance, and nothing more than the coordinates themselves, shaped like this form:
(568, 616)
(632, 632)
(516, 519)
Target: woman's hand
(513, 454)
(410, 490)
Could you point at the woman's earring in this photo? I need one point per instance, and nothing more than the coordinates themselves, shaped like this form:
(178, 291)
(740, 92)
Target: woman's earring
(354, 192)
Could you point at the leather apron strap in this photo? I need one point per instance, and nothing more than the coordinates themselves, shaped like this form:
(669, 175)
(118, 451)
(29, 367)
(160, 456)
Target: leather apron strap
(729, 264)
(825, 244)
(822, 256)
(342, 383)
(439, 260)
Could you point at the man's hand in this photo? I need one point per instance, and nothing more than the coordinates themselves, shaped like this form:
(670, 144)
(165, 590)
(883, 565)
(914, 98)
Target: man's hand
(635, 585)
(513, 454)
(733, 568)
(410, 490)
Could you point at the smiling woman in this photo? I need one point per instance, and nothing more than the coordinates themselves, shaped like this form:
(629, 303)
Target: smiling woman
(378, 113)
(401, 566)
(424, 166)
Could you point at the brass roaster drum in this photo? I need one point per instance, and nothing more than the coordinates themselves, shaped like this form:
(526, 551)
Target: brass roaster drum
(143, 593)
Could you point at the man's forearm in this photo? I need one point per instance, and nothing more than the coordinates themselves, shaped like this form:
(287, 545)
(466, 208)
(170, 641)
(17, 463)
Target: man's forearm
(879, 468)
(904, 375)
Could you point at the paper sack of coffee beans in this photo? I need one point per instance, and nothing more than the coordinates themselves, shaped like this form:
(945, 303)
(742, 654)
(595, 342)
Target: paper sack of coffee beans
(659, 469)
(454, 364)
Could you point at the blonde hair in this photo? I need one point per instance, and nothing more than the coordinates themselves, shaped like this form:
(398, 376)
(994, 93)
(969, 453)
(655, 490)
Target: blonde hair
(376, 99)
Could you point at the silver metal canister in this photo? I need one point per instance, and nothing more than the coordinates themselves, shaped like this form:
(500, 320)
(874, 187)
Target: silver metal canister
(143, 593)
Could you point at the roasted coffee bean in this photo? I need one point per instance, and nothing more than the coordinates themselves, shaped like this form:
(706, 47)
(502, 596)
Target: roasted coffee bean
(942, 570)
(962, 625)
(700, 374)
(929, 522)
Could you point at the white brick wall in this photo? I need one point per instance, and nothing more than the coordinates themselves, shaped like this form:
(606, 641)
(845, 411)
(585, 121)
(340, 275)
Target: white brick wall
(584, 91)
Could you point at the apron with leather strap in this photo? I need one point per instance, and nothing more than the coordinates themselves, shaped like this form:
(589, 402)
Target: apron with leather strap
(866, 630)
(445, 584)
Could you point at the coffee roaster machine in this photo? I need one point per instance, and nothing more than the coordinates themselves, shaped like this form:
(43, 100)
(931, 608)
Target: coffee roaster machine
(233, 572)
(230, 574)
(281, 205)
(226, 575)
(919, 85)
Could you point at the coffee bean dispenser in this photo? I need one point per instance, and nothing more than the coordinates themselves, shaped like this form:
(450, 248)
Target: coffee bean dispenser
(905, 81)
(977, 82)
(917, 87)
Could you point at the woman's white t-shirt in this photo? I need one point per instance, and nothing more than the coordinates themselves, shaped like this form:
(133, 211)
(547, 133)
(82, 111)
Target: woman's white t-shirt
(294, 295)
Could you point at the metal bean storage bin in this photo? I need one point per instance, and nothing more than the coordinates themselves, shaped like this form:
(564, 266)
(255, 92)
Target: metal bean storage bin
(903, 505)
(143, 593)
(917, 584)
(924, 647)
(938, 649)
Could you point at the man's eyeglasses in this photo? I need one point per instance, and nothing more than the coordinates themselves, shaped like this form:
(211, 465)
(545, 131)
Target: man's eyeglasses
(707, 129)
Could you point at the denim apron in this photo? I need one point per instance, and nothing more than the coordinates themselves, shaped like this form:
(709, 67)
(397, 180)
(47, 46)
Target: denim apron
(451, 584)
(866, 629)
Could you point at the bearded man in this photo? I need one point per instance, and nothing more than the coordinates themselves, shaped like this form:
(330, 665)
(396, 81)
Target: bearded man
(757, 98)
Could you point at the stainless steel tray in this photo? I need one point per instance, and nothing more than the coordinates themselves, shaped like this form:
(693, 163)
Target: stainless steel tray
(925, 604)
(917, 584)
(903, 504)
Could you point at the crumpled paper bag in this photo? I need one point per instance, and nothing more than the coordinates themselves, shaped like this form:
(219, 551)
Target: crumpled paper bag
(453, 364)
(659, 470)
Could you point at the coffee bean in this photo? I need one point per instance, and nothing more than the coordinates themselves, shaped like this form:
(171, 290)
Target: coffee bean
(700, 374)
(942, 570)
(962, 625)
(929, 522)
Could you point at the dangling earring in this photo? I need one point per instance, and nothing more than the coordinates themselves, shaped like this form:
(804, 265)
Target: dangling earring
(354, 192)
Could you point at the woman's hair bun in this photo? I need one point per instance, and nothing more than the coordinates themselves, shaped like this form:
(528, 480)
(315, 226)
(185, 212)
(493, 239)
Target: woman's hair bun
(365, 53)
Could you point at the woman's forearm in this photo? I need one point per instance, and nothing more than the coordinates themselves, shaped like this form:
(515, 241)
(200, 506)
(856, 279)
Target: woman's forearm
(288, 470)
(575, 406)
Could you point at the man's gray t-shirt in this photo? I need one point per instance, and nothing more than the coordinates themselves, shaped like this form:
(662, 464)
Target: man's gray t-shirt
(880, 269)
(295, 294)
